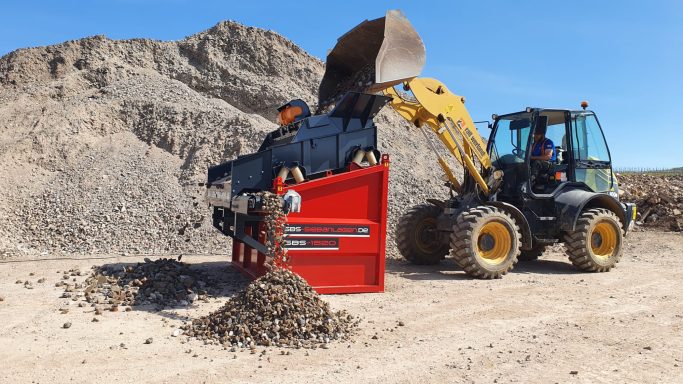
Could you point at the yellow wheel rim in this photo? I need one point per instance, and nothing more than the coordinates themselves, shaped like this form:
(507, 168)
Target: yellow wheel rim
(603, 239)
(494, 242)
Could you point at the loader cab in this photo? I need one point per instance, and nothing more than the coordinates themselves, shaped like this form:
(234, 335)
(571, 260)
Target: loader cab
(580, 153)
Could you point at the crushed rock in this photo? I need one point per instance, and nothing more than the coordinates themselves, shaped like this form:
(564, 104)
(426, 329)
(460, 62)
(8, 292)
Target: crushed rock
(659, 199)
(361, 80)
(162, 282)
(278, 309)
(275, 219)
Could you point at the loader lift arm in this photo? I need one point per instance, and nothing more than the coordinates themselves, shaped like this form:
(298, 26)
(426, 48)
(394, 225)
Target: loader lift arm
(445, 114)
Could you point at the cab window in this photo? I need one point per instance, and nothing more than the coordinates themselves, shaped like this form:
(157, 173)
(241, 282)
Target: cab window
(589, 143)
(591, 156)
(557, 133)
(511, 139)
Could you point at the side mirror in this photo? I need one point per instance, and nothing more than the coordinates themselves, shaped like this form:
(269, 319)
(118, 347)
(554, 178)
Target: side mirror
(489, 125)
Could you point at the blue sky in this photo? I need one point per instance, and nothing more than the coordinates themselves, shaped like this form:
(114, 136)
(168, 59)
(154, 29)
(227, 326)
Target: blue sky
(625, 57)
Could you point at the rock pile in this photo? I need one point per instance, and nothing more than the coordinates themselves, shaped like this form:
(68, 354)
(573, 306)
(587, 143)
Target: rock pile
(114, 209)
(163, 282)
(659, 199)
(278, 309)
(104, 144)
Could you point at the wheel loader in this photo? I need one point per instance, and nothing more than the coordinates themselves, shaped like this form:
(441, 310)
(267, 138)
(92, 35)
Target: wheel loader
(506, 204)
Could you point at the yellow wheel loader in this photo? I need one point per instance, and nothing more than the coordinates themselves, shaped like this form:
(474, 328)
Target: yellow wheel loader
(543, 176)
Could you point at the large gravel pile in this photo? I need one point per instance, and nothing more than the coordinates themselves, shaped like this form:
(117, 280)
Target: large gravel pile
(279, 309)
(104, 144)
(659, 199)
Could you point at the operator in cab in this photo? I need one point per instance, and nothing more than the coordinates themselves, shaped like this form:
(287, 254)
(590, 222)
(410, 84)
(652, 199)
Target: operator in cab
(543, 148)
(543, 155)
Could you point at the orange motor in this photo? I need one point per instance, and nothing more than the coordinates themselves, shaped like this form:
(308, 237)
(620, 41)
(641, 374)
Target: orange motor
(292, 112)
(288, 115)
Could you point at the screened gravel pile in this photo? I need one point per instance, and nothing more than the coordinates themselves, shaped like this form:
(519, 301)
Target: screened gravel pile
(162, 282)
(278, 309)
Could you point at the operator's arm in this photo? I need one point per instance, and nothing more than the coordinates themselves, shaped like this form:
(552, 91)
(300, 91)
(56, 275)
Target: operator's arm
(547, 151)
(546, 156)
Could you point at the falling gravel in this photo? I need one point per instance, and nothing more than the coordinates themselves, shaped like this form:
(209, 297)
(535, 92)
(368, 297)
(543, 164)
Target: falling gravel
(278, 309)
(275, 219)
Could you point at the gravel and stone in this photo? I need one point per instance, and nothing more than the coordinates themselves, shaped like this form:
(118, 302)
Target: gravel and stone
(362, 79)
(278, 309)
(275, 218)
(659, 198)
(162, 282)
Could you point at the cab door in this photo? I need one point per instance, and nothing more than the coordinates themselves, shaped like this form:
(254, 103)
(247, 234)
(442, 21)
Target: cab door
(557, 128)
(591, 163)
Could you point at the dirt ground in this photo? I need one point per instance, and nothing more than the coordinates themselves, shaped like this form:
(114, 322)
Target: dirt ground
(545, 322)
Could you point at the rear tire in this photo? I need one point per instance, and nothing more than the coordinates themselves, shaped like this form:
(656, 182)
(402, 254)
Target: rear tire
(417, 237)
(532, 254)
(485, 242)
(596, 244)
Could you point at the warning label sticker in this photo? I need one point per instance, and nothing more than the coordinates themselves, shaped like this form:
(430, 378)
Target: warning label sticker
(322, 230)
(310, 244)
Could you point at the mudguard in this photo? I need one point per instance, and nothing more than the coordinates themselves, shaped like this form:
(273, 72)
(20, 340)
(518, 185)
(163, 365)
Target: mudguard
(570, 202)
(519, 217)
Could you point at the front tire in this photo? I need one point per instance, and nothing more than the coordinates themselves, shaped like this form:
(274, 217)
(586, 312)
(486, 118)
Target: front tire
(485, 242)
(596, 245)
(417, 237)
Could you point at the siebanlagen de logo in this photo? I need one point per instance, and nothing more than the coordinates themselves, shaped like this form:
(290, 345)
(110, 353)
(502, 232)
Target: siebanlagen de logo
(318, 243)
(310, 230)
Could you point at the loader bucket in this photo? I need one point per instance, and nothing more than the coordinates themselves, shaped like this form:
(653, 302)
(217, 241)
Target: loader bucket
(374, 55)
